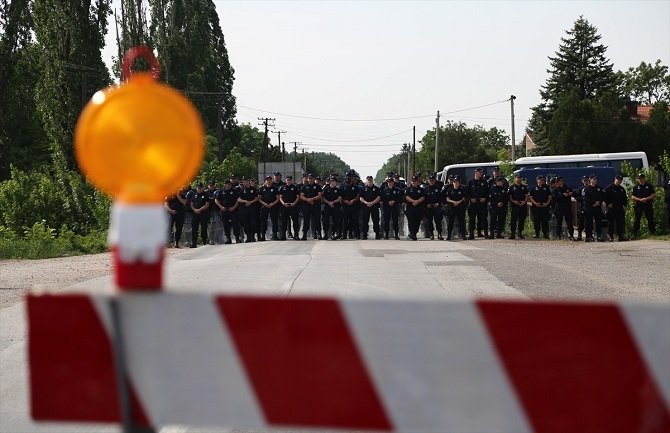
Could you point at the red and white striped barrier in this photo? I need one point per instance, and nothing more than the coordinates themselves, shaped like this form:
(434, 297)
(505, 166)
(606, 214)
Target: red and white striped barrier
(441, 366)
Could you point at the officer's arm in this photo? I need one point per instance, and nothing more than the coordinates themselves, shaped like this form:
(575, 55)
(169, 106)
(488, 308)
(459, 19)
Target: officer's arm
(376, 200)
(532, 200)
(409, 199)
(166, 205)
(275, 202)
(206, 206)
(256, 199)
(218, 203)
(193, 208)
(549, 201)
(182, 200)
(420, 200)
(303, 198)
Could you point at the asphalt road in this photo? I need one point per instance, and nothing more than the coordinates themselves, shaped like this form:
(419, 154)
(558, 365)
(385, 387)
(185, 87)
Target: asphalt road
(636, 271)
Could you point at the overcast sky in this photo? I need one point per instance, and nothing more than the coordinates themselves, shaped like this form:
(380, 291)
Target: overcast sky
(388, 60)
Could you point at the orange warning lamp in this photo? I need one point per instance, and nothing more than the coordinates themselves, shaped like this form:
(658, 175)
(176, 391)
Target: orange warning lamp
(141, 140)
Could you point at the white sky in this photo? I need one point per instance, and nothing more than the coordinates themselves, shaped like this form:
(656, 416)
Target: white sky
(381, 59)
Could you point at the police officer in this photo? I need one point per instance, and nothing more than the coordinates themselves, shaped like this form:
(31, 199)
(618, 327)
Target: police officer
(370, 199)
(617, 200)
(392, 198)
(593, 196)
(226, 202)
(415, 196)
(332, 200)
(540, 198)
(199, 206)
(289, 197)
(268, 197)
(434, 200)
(563, 201)
(498, 197)
(248, 199)
(350, 206)
(310, 194)
(518, 197)
(578, 194)
(643, 196)
(176, 206)
(457, 201)
(478, 192)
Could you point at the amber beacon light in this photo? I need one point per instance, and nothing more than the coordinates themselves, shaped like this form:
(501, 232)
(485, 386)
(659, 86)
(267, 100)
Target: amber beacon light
(138, 142)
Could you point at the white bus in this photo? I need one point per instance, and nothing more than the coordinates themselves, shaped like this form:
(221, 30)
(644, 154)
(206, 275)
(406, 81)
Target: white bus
(636, 159)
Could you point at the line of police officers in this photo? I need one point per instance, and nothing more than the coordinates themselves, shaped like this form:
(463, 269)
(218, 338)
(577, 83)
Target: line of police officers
(341, 210)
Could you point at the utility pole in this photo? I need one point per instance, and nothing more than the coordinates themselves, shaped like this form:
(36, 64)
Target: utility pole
(295, 154)
(437, 137)
(413, 152)
(304, 157)
(279, 143)
(511, 100)
(265, 121)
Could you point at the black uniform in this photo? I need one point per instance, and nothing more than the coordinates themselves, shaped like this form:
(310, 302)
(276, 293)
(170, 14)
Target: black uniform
(249, 213)
(498, 197)
(518, 193)
(289, 193)
(563, 210)
(176, 219)
(391, 211)
(199, 200)
(434, 212)
(230, 215)
(667, 201)
(542, 195)
(413, 212)
(268, 194)
(310, 211)
(643, 191)
(370, 193)
(616, 199)
(593, 197)
(579, 194)
(478, 193)
(456, 212)
(350, 191)
(332, 215)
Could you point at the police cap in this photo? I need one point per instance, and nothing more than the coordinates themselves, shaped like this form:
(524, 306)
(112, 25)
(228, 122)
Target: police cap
(277, 173)
(333, 178)
(289, 177)
(618, 176)
(496, 168)
(304, 175)
(500, 179)
(585, 177)
(540, 177)
(245, 178)
(517, 175)
(310, 176)
(369, 178)
(227, 181)
(318, 178)
(268, 177)
(641, 175)
(416, 177)
(390, 179)
(559, 178)
(479, 169)
(432, 177)
(233, 176)
(457, 177)
(211, 182)
(200, 185)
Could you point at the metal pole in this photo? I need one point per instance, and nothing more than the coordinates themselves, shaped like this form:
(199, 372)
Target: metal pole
(511, 100)
(413, 151)
(437, 137)
(127, 416)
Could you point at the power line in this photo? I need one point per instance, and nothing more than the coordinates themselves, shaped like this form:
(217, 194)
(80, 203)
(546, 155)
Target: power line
(333, 119)
(351, 141)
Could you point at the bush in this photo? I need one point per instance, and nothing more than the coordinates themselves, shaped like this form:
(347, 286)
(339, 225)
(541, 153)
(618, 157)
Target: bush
(41, 241)
(659, 204)
(57, 199)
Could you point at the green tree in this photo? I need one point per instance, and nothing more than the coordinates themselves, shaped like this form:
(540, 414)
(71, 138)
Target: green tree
(194, 58)
(578, 70)
(647, 83)
(236, 163)
(71, 35)
(324, 164)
